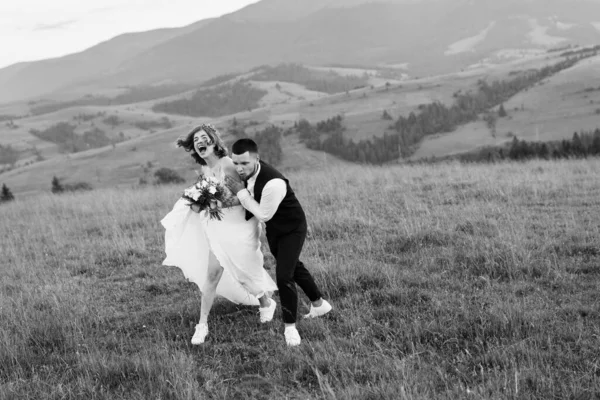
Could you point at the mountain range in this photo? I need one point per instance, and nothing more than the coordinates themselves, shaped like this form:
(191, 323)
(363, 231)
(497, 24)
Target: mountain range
(423, 37)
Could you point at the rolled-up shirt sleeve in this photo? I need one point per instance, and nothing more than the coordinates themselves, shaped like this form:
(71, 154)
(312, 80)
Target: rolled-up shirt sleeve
(272, 195)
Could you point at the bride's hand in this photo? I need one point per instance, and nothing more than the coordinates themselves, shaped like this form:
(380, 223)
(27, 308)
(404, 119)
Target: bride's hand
(195, 208)
(234, 185)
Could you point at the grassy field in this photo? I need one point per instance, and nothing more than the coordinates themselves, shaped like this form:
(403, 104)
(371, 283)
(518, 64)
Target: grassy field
(448, 281)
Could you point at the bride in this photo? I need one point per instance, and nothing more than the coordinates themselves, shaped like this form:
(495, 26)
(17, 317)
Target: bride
(223, 257)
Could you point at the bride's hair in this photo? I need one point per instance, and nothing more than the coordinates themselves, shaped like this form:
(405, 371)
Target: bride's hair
(188, 142)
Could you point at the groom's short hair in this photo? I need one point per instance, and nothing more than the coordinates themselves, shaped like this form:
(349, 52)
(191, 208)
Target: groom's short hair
(244, 145)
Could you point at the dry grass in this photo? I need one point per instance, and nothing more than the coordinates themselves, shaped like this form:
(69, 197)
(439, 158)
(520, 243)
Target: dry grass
(448, 281)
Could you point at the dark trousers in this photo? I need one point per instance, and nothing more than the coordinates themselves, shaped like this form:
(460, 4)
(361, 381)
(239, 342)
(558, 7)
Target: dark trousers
(290, 271)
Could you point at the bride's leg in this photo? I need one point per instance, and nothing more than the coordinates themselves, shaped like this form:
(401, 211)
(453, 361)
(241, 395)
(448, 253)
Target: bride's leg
(209, 290)
(214, 273)
(264, 300)
(267, 308)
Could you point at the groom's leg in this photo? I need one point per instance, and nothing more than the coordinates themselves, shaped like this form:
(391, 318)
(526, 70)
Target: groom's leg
(291, 271)
(286, 250)
(306, 282)
(301, 275)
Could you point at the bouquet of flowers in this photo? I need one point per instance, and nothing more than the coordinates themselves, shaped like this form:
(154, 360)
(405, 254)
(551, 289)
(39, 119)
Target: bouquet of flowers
(208, 194)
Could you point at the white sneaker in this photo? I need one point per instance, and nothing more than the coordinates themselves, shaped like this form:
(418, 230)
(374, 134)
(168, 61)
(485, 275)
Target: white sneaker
(319, 311)
(266, 313)
(200, 334)
(292, 337)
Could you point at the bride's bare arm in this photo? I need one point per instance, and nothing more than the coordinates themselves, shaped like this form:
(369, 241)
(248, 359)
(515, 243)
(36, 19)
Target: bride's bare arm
(231, 173)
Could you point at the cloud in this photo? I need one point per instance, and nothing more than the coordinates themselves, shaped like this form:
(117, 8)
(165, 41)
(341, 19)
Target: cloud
(104, 9)
(54, 26)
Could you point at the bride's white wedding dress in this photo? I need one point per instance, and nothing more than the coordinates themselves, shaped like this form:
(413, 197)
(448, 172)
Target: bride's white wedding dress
(235, 242)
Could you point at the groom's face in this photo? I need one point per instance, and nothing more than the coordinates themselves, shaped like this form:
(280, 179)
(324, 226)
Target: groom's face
(245, 164)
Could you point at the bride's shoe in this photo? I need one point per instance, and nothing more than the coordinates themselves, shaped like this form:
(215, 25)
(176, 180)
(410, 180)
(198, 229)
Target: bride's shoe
(266, 313)
(200, 334)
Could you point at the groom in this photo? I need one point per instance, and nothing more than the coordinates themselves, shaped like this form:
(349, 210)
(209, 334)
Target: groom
(266, 195)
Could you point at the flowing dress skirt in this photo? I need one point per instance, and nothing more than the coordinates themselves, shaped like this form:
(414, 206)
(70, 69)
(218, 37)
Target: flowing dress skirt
(235, 242)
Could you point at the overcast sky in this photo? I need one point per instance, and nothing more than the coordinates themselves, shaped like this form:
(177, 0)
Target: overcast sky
(37, 29)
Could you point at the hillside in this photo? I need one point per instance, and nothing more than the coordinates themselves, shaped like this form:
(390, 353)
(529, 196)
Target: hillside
(117, 124)
(76, 74)
(427, 37)
(127, 164)
(553, 110)
(564, 103)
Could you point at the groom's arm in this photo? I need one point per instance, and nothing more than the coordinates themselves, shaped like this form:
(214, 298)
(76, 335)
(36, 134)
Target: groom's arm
(272, 195)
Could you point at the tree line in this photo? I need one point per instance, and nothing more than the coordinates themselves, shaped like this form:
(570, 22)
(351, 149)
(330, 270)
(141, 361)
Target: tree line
(63, 134)
(321, 81)
(268, 140)
(328, 136)
(56, 187)
(269, 144)
(163, 123)
(438, 118)
(214, 102)
(581, 145)
(207, 101)
(430, 119)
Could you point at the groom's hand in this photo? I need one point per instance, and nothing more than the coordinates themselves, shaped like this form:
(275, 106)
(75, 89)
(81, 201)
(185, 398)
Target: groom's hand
(233, 184)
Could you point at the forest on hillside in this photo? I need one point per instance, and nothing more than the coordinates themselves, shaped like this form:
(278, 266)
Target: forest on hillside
(225, 97)
(268, 140)
(581, 145)
(408, 131)
(317, 80)
(63, 134)
(215, 101)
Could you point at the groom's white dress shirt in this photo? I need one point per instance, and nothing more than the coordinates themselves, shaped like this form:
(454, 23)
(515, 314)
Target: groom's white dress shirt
(272, 195)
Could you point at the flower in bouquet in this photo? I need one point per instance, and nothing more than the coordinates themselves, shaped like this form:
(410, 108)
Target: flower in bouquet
(208, 194)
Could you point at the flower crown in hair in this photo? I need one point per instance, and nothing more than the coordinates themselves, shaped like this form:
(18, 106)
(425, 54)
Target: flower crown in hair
(209, 128)
(211, 131)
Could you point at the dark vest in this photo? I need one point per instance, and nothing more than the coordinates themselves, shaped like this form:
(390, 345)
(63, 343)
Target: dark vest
(289, 215)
